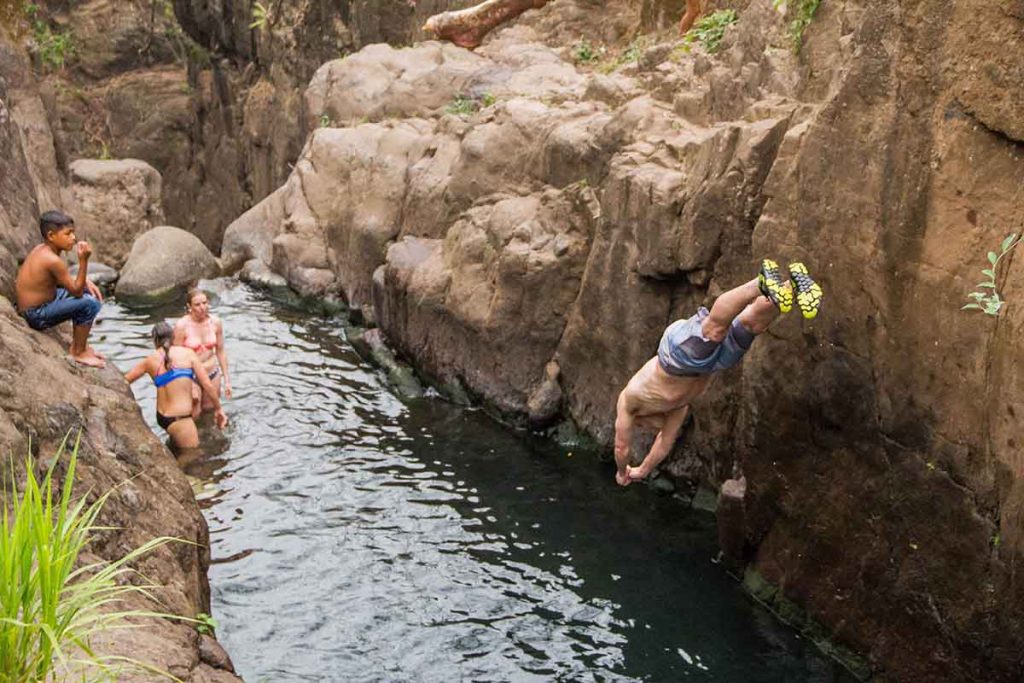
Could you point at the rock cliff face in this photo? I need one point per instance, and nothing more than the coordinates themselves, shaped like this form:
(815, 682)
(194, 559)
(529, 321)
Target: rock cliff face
(530, 239)
(189, 87)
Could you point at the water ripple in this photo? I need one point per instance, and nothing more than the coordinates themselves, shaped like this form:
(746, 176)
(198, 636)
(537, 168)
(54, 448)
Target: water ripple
(365, 539)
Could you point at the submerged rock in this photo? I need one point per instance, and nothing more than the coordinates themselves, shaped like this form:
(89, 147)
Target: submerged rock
(371, 345)
(100, 273)
(162, 263)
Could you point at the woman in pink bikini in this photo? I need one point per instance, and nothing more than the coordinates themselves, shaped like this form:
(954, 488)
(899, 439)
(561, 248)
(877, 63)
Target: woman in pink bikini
(204, 334)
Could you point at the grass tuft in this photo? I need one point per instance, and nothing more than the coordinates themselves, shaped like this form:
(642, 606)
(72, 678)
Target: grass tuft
(49, 608)
(804, 14)
(710, 30)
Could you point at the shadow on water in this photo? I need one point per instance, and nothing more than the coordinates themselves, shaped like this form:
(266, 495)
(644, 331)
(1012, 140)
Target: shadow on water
(357, 537)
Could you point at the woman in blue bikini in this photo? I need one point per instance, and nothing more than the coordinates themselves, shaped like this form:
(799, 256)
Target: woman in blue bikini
(174, 370)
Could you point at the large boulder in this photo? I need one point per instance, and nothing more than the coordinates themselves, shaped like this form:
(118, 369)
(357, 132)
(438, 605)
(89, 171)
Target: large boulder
(117, 200)
(162, 262)
(380, 82)
(487, 305)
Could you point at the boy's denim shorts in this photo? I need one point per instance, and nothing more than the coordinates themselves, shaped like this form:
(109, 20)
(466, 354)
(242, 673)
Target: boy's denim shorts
(685, 352)
(79, 310)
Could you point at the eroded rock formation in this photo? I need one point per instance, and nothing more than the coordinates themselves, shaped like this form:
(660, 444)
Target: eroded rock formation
(567, 217)
(115, 202)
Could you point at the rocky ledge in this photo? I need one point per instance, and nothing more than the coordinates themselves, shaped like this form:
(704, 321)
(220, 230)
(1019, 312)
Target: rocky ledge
(44, 397)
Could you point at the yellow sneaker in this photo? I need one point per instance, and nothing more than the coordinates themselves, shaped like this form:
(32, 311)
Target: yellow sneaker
(771, 284)
(808, 292)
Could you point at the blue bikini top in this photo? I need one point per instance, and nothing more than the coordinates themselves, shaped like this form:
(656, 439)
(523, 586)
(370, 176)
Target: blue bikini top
(166, 378)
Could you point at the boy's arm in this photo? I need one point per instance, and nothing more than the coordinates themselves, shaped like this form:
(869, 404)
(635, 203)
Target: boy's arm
(63, 277)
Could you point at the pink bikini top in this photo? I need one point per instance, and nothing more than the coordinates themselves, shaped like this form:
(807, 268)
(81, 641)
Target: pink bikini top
(197, 344)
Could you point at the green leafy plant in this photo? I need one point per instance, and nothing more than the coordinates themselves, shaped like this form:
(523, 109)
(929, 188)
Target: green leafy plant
(49, 609)
(487, 100)
(205, 623)
(804, 12)
(55, 48)
(584, 53)
(987, 299)
(461, 105)
(260, 16)
(326, 121)
(630, 55)
(710, 30)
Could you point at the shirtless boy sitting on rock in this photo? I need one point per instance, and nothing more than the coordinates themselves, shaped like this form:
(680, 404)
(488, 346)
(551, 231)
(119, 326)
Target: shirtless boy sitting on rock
(47, 294)
(692, 349)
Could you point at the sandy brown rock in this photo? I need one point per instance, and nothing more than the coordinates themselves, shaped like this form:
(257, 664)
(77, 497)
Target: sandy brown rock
(486, 306)
(115, 202)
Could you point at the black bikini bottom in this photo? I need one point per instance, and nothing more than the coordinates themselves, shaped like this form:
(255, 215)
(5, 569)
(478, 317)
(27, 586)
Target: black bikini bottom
(166, 421)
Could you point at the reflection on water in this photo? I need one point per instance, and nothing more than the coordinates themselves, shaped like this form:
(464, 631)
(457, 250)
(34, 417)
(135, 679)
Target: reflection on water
(359, 538)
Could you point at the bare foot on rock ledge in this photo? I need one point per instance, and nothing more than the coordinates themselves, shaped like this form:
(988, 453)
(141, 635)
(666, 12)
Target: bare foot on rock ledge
(89, 358)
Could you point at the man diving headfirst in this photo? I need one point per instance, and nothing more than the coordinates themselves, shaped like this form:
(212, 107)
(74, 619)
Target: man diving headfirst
(692, 350)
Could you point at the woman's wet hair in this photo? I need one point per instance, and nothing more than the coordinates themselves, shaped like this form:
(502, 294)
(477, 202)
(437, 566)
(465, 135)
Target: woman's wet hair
(163, 335)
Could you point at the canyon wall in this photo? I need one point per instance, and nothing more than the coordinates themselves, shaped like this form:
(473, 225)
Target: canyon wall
(522, 222)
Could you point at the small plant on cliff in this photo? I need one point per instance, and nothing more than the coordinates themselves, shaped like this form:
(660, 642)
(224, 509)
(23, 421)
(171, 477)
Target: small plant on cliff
(54, 48)
(49, 609)
(804, 12)
(987, 299)
(585, 53)
(630, 55)
(710, 30)
(205, 623)
(260, 16)
(461, 105)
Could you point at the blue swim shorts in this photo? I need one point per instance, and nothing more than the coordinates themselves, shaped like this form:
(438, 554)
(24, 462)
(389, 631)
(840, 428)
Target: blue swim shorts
(685, 352)
(80, 310)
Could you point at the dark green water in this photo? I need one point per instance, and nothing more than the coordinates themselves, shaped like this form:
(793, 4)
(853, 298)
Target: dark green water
(360, 537)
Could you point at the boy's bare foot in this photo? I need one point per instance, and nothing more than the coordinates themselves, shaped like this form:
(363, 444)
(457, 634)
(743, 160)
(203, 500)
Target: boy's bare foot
(90, 349)
(88, 359)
